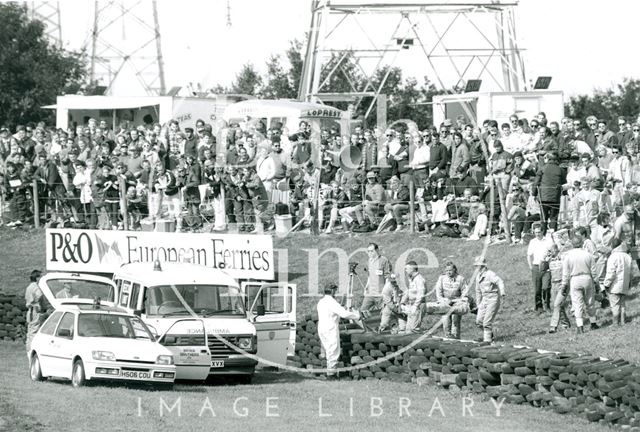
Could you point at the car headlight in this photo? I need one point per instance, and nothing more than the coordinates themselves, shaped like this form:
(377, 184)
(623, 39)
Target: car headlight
(165, 360)
(103, 355)
(245, 343)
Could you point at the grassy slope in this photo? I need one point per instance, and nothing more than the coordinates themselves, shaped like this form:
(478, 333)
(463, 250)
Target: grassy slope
(21, 251)
(29, 406)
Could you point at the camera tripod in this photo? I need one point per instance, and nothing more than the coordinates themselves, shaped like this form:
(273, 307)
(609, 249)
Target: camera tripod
(353, 277)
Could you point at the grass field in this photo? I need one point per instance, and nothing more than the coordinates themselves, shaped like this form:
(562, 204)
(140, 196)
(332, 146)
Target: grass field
(53, 406)
(22, 251)
(56, 406)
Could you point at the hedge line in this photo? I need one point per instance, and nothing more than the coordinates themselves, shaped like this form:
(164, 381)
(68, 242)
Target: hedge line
(600, 390)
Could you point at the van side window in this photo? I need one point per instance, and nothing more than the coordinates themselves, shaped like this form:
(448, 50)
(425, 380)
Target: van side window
(135, 291)
(125, 293)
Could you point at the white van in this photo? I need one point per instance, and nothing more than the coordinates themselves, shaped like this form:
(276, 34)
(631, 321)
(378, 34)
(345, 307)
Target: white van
(254, 318)
(289, 113)
(212, 324)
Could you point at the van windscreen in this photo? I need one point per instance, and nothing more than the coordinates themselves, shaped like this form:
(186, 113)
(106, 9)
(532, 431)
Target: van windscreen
(204, 300)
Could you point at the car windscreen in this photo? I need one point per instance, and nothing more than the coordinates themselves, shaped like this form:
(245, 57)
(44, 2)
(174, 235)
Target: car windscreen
(204, 300)
(80, 289)
(116, 326)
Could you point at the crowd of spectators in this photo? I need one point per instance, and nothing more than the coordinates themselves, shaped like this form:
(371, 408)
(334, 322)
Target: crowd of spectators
(244, 176)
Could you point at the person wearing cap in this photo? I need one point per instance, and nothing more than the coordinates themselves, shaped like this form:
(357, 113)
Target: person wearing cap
(618, 279)
(547, 186)
(452, 292)
(414, 298)
(579, 274)
(329, 314)
(490, 293)
(391, 296)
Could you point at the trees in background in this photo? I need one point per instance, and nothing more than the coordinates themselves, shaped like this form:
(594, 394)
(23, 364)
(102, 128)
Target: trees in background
(408, 98)
(33, 70)
(608, 104)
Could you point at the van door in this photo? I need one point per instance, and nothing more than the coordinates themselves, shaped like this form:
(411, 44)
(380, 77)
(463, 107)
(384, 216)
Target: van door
(187, 340)
(275, 329)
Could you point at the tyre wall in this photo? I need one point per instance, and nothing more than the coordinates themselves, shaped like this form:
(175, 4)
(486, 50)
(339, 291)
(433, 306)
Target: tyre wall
(13, 313)
(600, 390)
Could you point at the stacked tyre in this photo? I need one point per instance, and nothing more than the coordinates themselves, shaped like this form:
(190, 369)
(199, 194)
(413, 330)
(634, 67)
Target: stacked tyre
(12, 318)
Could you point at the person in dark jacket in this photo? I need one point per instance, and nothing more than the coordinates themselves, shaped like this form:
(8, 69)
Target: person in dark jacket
(438, 159)
(192, 192)
(191, 143)
(547, 186)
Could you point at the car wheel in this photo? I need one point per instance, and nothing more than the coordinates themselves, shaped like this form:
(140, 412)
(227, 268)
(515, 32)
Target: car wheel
(77, 377)
(34, 369)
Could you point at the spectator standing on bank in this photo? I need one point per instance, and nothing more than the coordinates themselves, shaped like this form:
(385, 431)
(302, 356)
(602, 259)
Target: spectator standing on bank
(379, 269)
(490, 293)
(541, 277)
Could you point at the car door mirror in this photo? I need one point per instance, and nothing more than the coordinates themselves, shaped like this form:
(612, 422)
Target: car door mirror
(260, 310)
(137, 312)
(65, 333)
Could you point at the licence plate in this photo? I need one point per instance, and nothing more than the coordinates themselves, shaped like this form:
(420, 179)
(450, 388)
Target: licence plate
(135, 375)
(217, 363)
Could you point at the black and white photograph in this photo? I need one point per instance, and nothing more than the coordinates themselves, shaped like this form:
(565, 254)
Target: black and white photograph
(311, 215)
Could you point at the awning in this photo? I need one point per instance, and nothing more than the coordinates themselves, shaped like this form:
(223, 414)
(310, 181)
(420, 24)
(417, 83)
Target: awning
(74, 102)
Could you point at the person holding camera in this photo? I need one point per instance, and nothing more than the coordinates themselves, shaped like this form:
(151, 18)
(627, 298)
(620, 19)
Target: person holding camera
(379, 269)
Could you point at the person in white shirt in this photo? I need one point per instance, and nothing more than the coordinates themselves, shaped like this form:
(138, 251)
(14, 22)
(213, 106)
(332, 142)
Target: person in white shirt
(618, 279)
(420, 160)
(619, 169)
(329, 314)
(265, 168)
(536, 253)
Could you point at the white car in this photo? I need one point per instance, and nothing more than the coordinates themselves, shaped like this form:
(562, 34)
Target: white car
(86, 342)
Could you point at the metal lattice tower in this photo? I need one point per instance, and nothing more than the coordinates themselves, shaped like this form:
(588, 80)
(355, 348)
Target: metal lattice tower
(126, 33)
(49, 13)
(454, 41)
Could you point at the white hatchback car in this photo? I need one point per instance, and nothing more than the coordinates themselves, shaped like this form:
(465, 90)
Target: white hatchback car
(83, 342)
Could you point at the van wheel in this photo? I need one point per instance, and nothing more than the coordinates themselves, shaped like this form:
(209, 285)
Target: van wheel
(244, 379)
(34, 368)
(77, 377)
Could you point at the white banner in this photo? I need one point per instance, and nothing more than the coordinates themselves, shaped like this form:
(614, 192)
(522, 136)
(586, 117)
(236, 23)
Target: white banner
(241, 256)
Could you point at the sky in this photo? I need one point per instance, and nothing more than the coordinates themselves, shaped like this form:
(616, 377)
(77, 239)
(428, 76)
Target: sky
(581, 44)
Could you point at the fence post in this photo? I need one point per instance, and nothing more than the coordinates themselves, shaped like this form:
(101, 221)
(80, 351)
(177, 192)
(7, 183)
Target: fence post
(503, 210)
(123, 203)
(412, 210)
(36, 205)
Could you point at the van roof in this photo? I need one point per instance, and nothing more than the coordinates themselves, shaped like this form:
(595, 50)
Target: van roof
(175, 273)
(282, 107)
